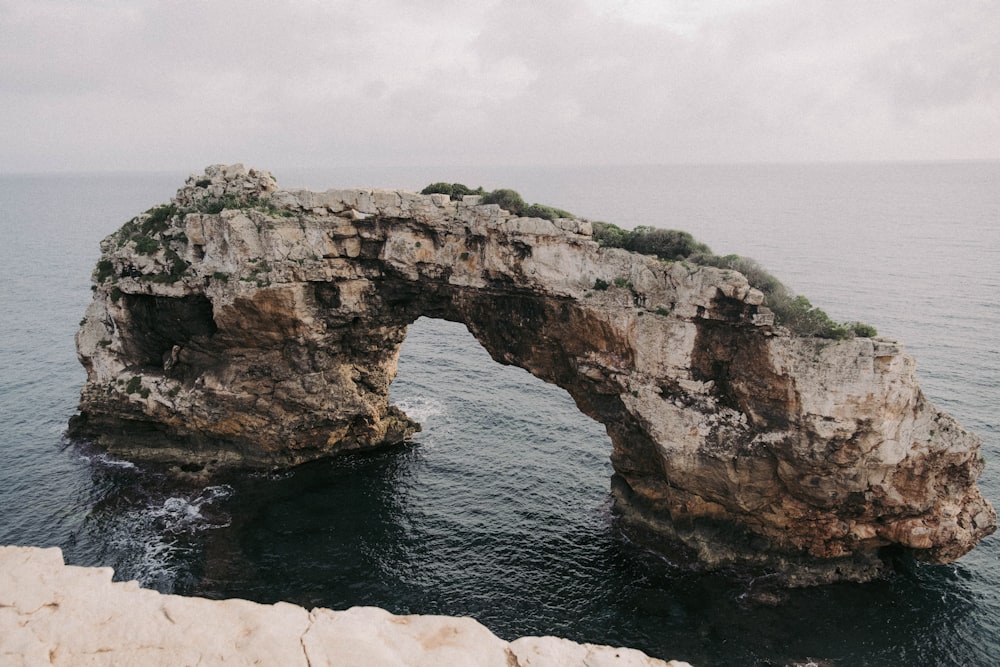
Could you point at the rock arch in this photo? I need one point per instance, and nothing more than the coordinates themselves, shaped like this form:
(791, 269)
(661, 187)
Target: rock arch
(242, 324)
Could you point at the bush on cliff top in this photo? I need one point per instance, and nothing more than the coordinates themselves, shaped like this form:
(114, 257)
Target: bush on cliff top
(454, 190)
(791, 311)
(509, 200)
(669, 244)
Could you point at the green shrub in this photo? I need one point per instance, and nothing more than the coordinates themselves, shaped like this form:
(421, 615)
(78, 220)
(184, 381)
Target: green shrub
(755, 274)
(115, 294)
(668, 244)
(804, 319)
(134, 385)
(509, 200)
(455, 191)
(105, 269)
(221, 276)
(437, 189)
(219, 204)
(464, 256)
(458, 191)
(600, 285)
(214, 206)
(862, 330)
(145, 245)
(791, 311)
(609, 235)
(545, 212)
(177, 265)
(159, 218)
(203, 183)
(622, 283)
(538, 211)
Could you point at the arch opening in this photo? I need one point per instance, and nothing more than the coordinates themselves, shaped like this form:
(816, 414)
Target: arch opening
(503, 451)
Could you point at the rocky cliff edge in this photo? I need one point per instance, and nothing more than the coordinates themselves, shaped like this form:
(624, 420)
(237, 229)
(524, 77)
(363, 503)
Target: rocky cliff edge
(54, 614)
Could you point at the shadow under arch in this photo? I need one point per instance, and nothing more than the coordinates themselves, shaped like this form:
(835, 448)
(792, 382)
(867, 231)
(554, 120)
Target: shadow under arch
(551, 338)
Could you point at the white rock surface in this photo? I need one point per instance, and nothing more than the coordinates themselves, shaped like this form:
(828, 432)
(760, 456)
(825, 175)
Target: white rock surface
(54, 614)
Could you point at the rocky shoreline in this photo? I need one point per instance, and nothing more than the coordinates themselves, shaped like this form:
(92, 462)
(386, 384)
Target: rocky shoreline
(56, 614)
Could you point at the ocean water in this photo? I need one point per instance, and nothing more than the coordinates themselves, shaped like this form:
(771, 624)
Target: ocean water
(500, 508)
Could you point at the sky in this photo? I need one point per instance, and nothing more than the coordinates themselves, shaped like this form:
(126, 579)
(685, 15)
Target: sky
(98, 85)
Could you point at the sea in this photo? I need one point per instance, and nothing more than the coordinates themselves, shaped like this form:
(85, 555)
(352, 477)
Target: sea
(500, 508)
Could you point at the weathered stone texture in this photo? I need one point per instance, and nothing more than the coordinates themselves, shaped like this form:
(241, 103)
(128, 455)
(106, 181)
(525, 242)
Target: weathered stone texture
(53, 614)
(267, 334)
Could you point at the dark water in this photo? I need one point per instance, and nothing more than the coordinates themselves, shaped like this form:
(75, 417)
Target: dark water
(500, 508)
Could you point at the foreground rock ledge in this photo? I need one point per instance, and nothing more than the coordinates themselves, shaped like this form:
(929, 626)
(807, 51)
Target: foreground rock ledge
(53, 614)
(248, 325)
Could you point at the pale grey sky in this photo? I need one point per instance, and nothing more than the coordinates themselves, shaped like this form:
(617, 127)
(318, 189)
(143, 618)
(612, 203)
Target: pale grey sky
(145, 84)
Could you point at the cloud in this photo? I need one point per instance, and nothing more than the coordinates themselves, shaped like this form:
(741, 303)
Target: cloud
(153, 83)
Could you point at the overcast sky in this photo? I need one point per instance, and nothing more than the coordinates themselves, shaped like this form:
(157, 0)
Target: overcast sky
(156, 85)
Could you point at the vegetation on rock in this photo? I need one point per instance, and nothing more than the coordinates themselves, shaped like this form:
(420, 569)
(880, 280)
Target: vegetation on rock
(794, 312)
(146, 245)
(214, 205)
(134, 386)
(454, 190)
(505, 198)
(105, 269)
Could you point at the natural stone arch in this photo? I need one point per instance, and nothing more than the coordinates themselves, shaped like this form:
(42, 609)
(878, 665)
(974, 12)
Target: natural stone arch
(551, 338)
(247, 325)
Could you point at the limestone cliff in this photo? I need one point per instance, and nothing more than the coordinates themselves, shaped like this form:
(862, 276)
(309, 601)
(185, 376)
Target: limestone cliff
(51, 614)
(243, 324)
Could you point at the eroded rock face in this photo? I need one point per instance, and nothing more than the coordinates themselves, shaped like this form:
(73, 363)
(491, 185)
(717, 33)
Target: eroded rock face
(249, 325)
(53, 614)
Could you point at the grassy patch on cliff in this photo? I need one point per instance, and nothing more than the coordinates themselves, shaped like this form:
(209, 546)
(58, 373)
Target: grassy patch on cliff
(790, 310)
(142, 228)
(214, 205)
(505, 198)
(151, 232)
(669, 244)
(454, 190)
(105, 269)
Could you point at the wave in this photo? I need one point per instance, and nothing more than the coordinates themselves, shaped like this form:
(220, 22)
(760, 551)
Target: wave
(422, 409)
(154, 543)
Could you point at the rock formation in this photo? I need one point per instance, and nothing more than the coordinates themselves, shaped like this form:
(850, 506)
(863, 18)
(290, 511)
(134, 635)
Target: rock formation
(243, 324)
(52, 614)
